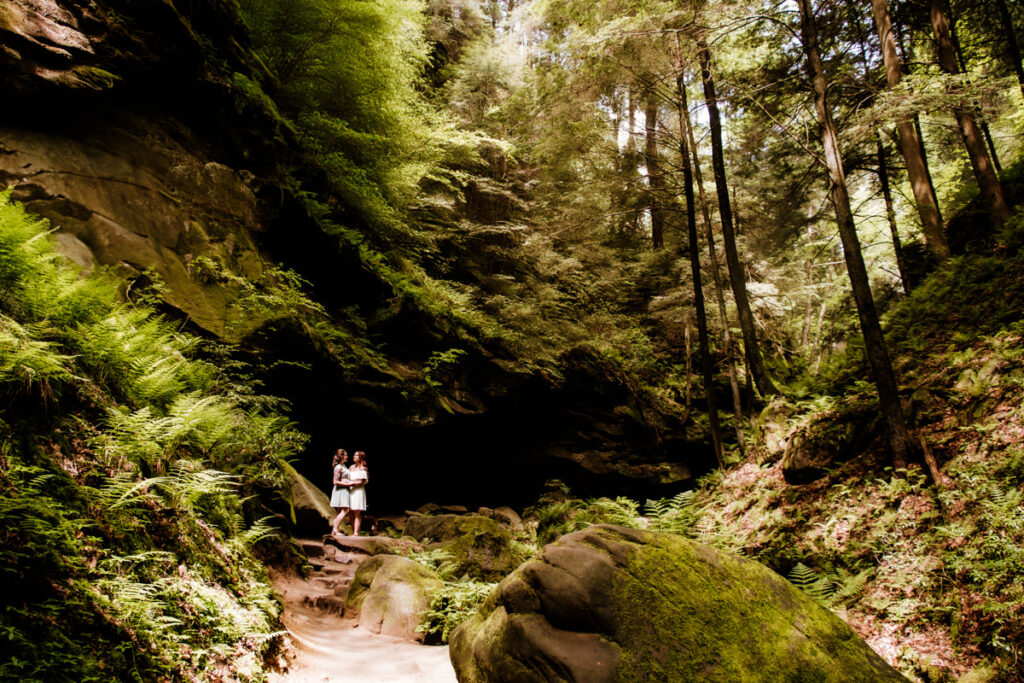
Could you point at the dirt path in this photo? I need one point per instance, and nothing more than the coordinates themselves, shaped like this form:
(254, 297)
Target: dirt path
(329, 648)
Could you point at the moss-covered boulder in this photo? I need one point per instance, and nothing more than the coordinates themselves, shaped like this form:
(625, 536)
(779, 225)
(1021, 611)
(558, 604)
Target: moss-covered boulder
(615, 604)
(829, 438)
(480, 546)
(390, 594)
(311, 511)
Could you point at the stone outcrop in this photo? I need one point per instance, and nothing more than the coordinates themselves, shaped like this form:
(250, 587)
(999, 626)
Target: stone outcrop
(830, 438)
(615, 604)
(311, 511)
(390, 594)
(479, 545)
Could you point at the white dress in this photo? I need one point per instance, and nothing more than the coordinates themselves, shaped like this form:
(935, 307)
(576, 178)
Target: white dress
(358, 498)
(339, 494)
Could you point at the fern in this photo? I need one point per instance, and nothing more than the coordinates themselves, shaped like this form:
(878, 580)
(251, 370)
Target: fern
(675, 515)
(829, 587)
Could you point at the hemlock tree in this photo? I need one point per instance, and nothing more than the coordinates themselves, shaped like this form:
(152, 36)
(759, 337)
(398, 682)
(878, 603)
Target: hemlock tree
(737, 278)
(874, 340)
(910, 142)
(970, 132)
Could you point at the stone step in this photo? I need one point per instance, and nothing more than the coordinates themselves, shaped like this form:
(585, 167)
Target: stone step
(325, 566)
(312, 548)
(327, 602)
(328, 582)
(368, 545)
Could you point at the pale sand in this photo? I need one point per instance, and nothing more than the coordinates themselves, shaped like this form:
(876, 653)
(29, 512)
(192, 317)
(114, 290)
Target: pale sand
(327, 648)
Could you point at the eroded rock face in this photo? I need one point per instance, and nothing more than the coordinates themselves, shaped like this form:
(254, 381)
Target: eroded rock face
(480, 546)
(829, 439)
(134, 199)
(615, 604)
(390, 594)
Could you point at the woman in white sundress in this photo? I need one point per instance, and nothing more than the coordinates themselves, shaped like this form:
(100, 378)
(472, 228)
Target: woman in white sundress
(340, 493)
(358, 475)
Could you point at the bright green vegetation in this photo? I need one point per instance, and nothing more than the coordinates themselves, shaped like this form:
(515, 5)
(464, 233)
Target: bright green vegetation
(459, 598)
(925, 574)
(127, 474)
(587, 609)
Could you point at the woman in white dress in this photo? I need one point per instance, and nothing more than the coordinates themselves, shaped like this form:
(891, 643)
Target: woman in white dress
(340, 494)
(358, 475)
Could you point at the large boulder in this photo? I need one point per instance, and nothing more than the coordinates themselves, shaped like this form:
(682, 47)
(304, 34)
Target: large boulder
(311, 511)
(615, 604)
(479, 545)
(829, 438)
(390, 595)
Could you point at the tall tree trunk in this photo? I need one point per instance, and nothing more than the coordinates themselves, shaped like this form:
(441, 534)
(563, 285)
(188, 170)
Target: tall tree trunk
(817, 337)
(707, 368)
(988, 183)
(874, 341)
(890, 214)
(1012, 47)
(655, 180)
(755, 365)
(910, 143)
(907, 55)
(686, 129)
(961, 61)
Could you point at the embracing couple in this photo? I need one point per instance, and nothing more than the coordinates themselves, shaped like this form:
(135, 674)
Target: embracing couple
(349, 493)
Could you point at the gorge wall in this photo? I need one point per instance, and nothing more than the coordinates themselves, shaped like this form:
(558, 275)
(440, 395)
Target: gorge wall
(140, 131)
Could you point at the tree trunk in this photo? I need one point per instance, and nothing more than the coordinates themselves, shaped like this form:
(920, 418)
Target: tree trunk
(988, 183)
(910, 143)
(962, 64)
(755, 365)
(685, 129)
(655, 180)
(907, 55)
(874, 341)
(707, 369)
(890, 214)
(1012, 47)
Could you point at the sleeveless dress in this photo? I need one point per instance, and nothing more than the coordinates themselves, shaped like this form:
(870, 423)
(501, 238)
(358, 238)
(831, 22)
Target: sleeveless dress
(358, 500)
(339, 494)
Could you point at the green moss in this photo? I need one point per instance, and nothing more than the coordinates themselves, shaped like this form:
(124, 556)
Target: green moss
(91, 77)
(668, 608)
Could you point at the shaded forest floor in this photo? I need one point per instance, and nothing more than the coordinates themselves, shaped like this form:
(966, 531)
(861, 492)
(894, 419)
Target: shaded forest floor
(928, 575)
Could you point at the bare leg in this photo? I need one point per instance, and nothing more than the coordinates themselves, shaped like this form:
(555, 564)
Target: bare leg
(338, 520)
(357, 518)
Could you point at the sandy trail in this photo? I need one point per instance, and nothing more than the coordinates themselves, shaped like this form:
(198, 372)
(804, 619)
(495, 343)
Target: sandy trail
(329, 648)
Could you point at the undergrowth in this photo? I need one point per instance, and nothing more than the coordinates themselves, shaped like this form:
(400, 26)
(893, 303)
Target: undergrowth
(458, 599)
(128, 476)
(929, 576)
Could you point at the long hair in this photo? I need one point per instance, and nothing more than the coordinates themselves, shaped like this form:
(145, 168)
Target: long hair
(359, 457)
(339, 457)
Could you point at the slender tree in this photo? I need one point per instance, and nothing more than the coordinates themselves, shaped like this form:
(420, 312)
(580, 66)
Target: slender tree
(655, 178)
(737, 278)
(686, 131)
(1012, 46)
(874, 340)
(707, 368)
(970, 133)
(890, 215)
(910, 143)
